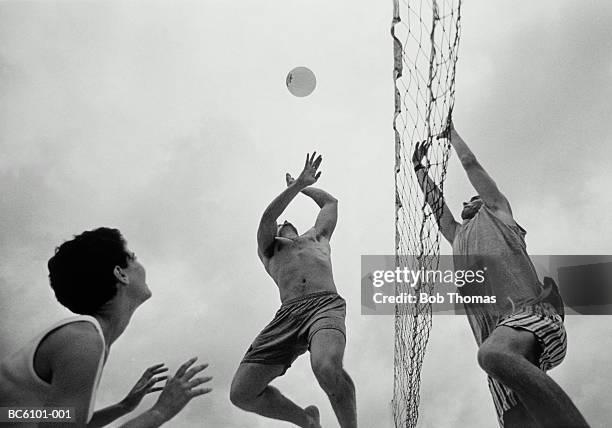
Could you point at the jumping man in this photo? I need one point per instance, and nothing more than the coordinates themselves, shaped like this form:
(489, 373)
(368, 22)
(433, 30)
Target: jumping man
(521, 336)
(311, 316)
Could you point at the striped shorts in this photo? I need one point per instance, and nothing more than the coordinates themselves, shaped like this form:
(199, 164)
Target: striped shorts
(547, 325)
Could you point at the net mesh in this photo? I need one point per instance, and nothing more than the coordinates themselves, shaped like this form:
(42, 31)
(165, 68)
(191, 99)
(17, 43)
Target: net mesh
(426, 38)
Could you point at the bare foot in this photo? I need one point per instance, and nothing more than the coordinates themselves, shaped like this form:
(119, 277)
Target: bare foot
(313, 415)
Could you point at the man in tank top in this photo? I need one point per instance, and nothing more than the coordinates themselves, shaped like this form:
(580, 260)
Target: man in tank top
(520, 332)
(96, 276)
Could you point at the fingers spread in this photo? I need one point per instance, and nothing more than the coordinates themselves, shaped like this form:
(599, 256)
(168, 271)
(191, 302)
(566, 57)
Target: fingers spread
(153, 370)
(199, 381)
(154, 367)
(160, 370)
(183, 368)
(199, 391)
(192, 371)
(159, 379)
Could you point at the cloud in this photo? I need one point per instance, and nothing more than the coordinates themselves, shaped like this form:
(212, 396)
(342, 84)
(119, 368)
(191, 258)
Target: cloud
(176, 127)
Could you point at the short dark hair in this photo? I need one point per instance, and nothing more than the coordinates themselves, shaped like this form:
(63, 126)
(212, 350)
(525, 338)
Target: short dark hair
(81, 270)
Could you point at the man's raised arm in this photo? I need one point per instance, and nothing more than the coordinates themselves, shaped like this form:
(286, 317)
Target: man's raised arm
(480, 179)
(328, 216)
(433, 195)
(267, 224)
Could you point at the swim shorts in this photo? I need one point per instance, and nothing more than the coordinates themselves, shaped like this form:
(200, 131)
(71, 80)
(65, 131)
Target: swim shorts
(547, 326)
(289, 334)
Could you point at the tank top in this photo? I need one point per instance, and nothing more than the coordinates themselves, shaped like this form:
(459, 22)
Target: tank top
(486, 241)
(20, 385)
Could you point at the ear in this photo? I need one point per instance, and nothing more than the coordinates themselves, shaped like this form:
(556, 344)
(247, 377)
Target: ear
(120, 275)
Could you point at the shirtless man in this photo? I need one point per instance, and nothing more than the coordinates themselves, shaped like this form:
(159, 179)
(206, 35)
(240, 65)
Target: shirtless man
(521, 336)
(311, 316)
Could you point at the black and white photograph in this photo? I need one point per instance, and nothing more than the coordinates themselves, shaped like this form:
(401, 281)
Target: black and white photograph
(191, 192)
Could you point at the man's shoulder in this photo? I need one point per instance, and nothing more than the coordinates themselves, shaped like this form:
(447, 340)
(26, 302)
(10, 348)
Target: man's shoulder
(76, 338)
(506, 218)
(76, 346)
(309, 234)
(314, 236)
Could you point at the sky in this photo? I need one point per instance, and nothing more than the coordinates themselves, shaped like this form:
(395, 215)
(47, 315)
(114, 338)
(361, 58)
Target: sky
(171, 121)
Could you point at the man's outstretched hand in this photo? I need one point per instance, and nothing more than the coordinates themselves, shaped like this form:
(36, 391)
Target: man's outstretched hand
(309, 175)
(145, 385)
(449, 133)
(180, 389)
(420, 150)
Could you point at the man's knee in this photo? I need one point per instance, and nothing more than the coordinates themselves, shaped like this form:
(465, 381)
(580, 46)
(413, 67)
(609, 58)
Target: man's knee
(498, 361)
(328, 369)
(240, 394)
(491, 359)
(238, 397)
(504, 348)
(250, 381)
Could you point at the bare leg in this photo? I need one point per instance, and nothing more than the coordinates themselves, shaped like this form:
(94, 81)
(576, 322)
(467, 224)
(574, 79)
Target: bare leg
(519, 417)
(250, 391)
(326, 353)
(509, 355)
